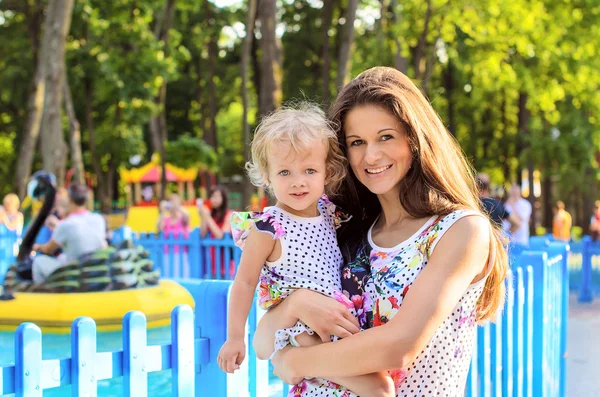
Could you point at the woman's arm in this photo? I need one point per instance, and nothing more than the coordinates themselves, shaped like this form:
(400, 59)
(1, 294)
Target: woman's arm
(322, 314)
(209, 224)
(456, 262)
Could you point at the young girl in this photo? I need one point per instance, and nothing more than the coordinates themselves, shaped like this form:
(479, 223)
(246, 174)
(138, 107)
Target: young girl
(293, 244)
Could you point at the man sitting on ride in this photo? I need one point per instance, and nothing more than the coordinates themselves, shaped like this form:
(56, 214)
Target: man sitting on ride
(81, 232)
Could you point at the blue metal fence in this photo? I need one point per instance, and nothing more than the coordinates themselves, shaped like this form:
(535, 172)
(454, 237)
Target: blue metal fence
(523, 354)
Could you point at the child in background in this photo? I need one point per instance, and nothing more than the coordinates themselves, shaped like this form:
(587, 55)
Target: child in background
(292, 244)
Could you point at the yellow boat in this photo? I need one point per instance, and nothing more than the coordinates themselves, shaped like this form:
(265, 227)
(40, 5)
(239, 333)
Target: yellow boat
(104, 285)
(54, 312)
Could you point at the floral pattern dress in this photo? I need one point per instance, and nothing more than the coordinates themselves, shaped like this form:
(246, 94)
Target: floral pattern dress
(310, 259)
(378, 279)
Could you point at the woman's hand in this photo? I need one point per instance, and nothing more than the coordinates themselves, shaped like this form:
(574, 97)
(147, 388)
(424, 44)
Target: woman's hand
(282, 370)
(203, 211)
(324, 315)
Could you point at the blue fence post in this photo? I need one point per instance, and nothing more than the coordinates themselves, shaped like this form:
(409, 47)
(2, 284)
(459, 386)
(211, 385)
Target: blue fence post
(507, 338)
(484, 360)
(135, 377)
(258, 370)
(538, 260)
(194, 254)
(182, 353)
(518, 331)
(561, 287)
(28, 361)
(83, 357)
(585, 294)
(211, 298)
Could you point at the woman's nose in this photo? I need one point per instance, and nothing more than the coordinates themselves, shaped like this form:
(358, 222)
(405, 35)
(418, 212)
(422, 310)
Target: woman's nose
(372, 154)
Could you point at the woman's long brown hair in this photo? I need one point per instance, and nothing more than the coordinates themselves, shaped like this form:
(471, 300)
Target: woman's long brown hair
(439, 182)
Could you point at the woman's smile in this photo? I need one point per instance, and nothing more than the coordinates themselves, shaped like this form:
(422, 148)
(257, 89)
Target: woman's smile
(374, 172)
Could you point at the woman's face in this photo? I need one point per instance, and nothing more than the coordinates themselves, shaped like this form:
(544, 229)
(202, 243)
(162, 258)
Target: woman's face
(216, 199)
(378, 150)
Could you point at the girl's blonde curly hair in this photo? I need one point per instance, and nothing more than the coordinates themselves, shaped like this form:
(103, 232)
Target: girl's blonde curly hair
(300, 124)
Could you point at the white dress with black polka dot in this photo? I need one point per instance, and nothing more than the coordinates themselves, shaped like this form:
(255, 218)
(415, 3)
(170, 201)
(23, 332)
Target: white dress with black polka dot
(441, 368)
(310, 257)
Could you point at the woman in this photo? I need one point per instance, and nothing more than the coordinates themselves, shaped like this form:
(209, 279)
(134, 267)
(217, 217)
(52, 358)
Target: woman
(217, 219)
(424, 263)
(216, 222)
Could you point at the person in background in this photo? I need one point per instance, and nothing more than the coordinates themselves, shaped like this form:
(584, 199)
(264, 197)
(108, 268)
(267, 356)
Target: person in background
(173, 217)
(522, 208)
(59, 211)
(595, 222)
(562, 222)
(81, 232)
(215, 222)
(174, 220)
(494, 207)
(10, 216)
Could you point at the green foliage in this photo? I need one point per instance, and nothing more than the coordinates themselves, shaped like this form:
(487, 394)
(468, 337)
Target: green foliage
(187, 152)
(479, 59)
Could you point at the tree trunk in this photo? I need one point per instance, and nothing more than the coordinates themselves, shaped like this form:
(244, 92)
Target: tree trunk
(211, 137)
(325, 53)
(56, 28)
(400, 62)
(35, 102)
(74, 135)
(449, 88)
(523, 128)
(96, 165)
(270, 82)
(346, 44)
(157, 124)
(246, 53)
(422, 45)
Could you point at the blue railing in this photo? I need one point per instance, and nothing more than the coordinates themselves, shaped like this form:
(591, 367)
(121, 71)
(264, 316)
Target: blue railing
(29, 376)
(523, 354)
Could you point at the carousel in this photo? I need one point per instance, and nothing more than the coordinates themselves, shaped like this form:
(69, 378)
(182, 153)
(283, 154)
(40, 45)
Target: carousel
(103, 285)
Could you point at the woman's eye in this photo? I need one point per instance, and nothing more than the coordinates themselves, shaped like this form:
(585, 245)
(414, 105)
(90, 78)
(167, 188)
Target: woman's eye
(387, 137)
(284, 173)
(310, 171)
(356, 142)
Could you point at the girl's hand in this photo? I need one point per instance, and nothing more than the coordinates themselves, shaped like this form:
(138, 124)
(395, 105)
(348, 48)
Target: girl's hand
(282, 370)
(324, 315)
(232, 355)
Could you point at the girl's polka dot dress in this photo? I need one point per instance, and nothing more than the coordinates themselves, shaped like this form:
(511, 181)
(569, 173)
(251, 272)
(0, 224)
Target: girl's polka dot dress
(310, 257)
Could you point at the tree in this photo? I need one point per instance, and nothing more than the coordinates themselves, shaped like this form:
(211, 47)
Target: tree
(53, 147)
(251, 16)
(270, 63)
(345, 50)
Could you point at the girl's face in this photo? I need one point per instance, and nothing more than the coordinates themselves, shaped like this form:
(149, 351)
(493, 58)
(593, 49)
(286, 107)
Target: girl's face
(216, 199)
(378, 149)
(298, 179)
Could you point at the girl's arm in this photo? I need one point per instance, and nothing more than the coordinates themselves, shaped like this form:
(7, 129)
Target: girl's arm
(458, 259)
(257, 249)
(322, 314)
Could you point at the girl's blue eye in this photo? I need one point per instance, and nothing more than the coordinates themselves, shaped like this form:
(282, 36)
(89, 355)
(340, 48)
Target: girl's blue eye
(310, 171)
(387, 137)
(284, 173)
